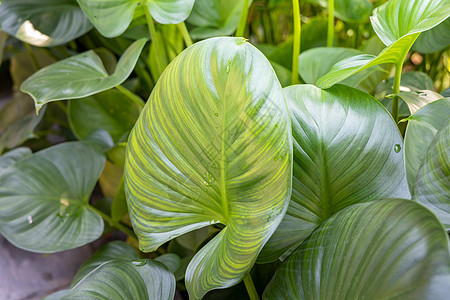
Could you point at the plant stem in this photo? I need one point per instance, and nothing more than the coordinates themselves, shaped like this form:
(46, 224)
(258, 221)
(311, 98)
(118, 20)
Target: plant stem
(32, 57)
(397, 79)
(125, 229)
(243, 20)
(155, 40)
(297, 39)
(330, 32)
(185, 34)
(133, 97)
(251, 290)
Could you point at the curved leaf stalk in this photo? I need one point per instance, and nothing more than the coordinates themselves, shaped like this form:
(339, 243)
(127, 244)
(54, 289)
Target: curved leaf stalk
(133, 97)
(185, 33)
(297, 38)
(396, 90)
(33, 59)
(243, 20)
(330, 32)
(251, 290)
(125, 229)
(155, 40)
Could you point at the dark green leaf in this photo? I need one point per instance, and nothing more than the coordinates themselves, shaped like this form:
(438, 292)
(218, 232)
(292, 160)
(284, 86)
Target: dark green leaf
(44, 198)
(390, 249)
(434, 39)
(43, 22)
(347, 150)
(212, 145)
(356, 11)
(79, 76)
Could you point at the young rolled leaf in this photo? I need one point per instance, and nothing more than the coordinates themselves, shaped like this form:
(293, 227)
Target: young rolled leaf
(118, 279)
(397, 23)
(215, 17)
(212, 145)
(432, 186)
(45, 198)
(347, 150)
(389, 249)
(43, 23)
(422, 128)
(109, 110)
(112, 18)
(79, 76)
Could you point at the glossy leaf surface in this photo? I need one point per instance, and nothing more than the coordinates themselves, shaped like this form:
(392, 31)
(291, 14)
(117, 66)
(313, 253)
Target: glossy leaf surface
(43, 22)
(389, 249)
(212, 145)
(109, 110)
(12, 157)
(418, 99)
(44, 198)
(432, 185)
(215, 17)
(347, 150)
(112, 18)
(422, 128)
(435, 39)
(79, 76)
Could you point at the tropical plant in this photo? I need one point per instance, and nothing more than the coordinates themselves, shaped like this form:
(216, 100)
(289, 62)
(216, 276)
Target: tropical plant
(280, 161)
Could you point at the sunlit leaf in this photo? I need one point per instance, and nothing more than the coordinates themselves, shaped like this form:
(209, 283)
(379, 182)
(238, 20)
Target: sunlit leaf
(112, 18)
(212, 145)
(390, 249)
(418, 99)
(347, 150)
(43, 22)
(79, 76)
(45, 197)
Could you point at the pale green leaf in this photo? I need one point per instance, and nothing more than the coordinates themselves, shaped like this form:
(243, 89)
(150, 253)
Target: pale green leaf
(12, 157)
(43, 22)
(112, 18)
(422, 128)
(44, 198)
(418, 99)
(79, 76)
(347, 150)
(212, 145)
(389, 249)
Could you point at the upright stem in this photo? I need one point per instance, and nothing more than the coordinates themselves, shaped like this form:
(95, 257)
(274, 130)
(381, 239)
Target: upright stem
(133, 97)
(155, 39)
(32, 57)
(251, 290)
(297, 38)
(243, 20)
(118, 225)
(330, 33)
(397, 78)
(185, 34)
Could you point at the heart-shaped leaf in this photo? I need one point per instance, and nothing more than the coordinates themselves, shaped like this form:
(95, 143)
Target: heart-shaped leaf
(432, 186)
(112, 18)
(397, 23)
(45, 198)
(109, 110)
(43, 22)
(212, 145)
(390, 249)
(434, 39)
(12, 157)
(215, 17)
(422, 128)
(79, 76)
(347, 150)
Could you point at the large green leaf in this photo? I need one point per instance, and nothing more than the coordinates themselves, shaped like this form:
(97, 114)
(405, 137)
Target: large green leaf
(418, 99)
(212, 145)
(112, 18)
(215, 17)
(43, 22)
(398, 23)
(390, 249)
(347, 150)
(12, 157)
(44, 198)
(79, 76)
(434, 39)
(109, 110)
(432, 186)
(357, 11)
(422, 128)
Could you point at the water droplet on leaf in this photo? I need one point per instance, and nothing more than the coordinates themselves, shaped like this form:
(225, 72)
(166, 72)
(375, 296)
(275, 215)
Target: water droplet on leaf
(228, 69)
(30, 220)
(139, 263)
(397, 148)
